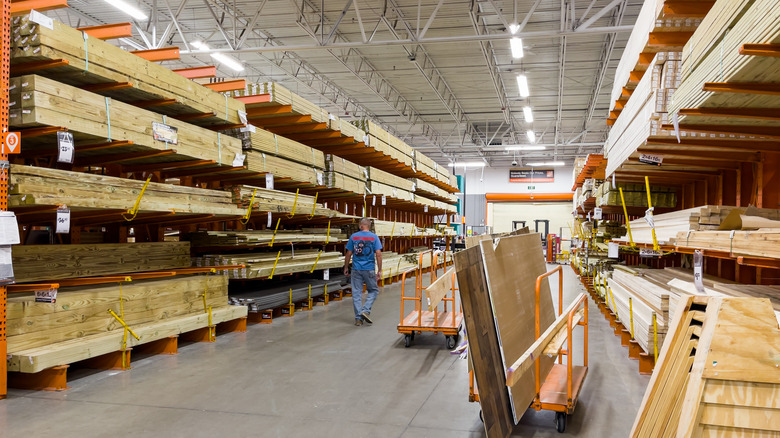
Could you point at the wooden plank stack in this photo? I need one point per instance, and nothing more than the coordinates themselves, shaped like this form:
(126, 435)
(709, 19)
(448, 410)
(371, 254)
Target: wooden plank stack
(431, 168)
(255, 238)
(54, 262)
(277, 201)
(712, 55)
(282, 147)
(717, 374)
(265, 264)
(635, 195)
(386, 184)
(77, 326)
(35, 186)
(283, 169)
(343, 166)
(39, 101)
(92, 61)
(280, 95)
(740, 243)
(428, 190)
(381, 140)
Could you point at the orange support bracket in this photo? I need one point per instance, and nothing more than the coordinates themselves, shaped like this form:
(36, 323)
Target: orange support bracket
(33, 66)
(772, 50)
(257, 98)
(209, 71)
(107, 86)
(757, 262)
(52, 379)
(154, 103)
(195, 116)
(32, 287)
(238, 84)
(109, 31)
(163, 54)
(43, 130)
(24, 6)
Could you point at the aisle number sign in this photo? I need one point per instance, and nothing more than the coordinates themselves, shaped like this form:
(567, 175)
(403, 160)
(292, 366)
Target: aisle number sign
(12, 142)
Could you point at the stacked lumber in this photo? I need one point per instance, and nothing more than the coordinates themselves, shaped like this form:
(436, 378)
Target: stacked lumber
(380, 176)
(91, 61)
(260, 297)
(78, 326)
(678, 227)
(635, 195)
(713, 55)
(35, 186)
(424, 188)
(394, 229)
(38, 101)
(282, 147)
(54, 262)
(346, 183)
(394, 264)
(381, 140)
(251, 238)
(345, 167)
(741, 243)
(265, 264)
(717, 373)
(279, 95)
(277, 201)
(283, 169)
(635, 302)
(431, 168)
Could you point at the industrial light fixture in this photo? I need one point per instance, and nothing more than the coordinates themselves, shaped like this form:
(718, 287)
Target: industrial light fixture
(531, 136)
(525, 148)
(513, 28)
(467, 164)
(226, 60)
(128, 9)
(522, 85)
(517, 47)
(528, 114)
(547, 163)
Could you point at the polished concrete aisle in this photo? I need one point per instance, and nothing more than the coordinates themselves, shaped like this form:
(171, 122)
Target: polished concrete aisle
(314, 375)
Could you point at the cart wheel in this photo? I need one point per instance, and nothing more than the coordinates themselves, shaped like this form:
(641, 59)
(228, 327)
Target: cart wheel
(451, 341)
(481, 418)
(407, 340)
(560, 421)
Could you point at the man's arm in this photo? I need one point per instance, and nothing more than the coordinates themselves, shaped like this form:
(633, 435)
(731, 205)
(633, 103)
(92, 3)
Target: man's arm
(378, 254)
(347, 259)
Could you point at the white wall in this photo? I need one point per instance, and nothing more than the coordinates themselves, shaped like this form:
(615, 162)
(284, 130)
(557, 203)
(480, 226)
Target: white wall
(496, 180)
(501, 214)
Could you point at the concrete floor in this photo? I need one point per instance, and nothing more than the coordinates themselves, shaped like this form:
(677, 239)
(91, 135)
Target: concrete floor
(314, 375)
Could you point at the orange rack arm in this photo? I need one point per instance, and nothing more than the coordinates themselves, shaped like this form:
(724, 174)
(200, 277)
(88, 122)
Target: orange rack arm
(209, 71)
(24, 6)
(109, 31)
(164, 54)
(32, 287)
(238, 84)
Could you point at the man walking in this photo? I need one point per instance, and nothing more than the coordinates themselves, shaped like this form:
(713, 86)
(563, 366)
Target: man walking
(362, 248)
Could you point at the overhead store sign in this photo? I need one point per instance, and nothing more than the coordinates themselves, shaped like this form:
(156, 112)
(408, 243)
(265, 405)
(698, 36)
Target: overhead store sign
(531, 175)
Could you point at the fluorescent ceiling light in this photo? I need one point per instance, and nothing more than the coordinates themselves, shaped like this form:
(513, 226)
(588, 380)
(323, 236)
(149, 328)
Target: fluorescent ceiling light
(517, 47)
(226, 60)
(467, 164)
(513, 28)
(528, 114)
(128, 9)
(522, 86)
(525, 148)
(547, 163)
(531, 136)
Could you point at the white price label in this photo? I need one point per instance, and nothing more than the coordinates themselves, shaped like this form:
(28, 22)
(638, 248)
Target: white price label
(656, 160)
(384, 200)
(373, 202)
(425, 209)
(249, 128)
(270, 219)
(46, 296)
(37, 17)
(676, 123)
(242, 116)
(649, 218)
(65, 147)
(319, 179)
(269, 181)
(326, 274)
(646, 252)
(239, 160)
(698, 274)
(63, 221)
(614, 250)
(597, 213)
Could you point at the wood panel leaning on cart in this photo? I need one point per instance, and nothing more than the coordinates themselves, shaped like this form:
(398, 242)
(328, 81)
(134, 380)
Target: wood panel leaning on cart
(364, 249)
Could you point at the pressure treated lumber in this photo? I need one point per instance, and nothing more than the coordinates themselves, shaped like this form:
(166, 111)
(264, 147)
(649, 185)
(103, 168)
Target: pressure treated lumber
(254, 238)
(282, 147)
(277, 201)
(108, 64)
(39, 101)
(343, 166)
(265, 264)
(54, 262)
(380, 176)
(36, 186)
(283, 169)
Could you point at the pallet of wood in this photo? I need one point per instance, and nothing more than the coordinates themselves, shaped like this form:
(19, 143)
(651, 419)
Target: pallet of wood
(282, 147)
(93, 62)
(78, 325)
(713, 55)
(54, 262)
(249, 238)
(38, 101)
(265, 264)
(635, 195)
(35, 186)
(717, 374)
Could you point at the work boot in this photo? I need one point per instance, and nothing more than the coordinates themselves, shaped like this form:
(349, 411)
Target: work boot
(358, 322)
(365, 317)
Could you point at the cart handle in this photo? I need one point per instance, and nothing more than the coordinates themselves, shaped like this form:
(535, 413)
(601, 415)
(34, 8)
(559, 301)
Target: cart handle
(403, 287)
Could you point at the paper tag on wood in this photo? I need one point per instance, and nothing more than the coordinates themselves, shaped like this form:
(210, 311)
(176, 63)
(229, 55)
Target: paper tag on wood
(249, 128)
(373, 202)
(63, 221)
(242, 116)
(614, 250)
(647, 252)
(46, 296)
(676, 124)
(270, 219)
(269, 181)
(319, 179)
(65, 147)
(239, 160)
(384, 200)
(698, 275)
(9, 228)
(425, 209)
(326, 274)
(37, 17)
(649, 218)
(597, 213)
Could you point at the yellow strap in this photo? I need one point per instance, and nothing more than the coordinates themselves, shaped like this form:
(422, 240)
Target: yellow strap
(625, 213)
(205, 292)
(275, 230)
(650, 206)
(614, 307)
(295, 203)
(655, 338)
(248, 214)
(210, 321)
(392, 231)
(309, 292)
(279, 254)
(631, 310)
(315, 261)
(314, 207)
(133, 212)
(291, 297)
(327, 238)
(124, 324)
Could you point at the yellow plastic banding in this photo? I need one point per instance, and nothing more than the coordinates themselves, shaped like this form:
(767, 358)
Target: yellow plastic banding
(314, 207)
(614, 307)
(124, 324)
(295, 203)
(655, 338)
(248, 214)
(279, 254)
(275, 230)
(133, 212)
(327, 237)
(631, 310)
(625, 213)
(291, 303)
(392, 231)
(650, 206)
(315, 262)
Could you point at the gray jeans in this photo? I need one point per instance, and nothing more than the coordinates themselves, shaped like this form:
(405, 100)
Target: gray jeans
(358, 279)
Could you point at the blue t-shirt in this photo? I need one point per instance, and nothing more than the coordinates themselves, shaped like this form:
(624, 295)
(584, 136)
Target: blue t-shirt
(363, 244)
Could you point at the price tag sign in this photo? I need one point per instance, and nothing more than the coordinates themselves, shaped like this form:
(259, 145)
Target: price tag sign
(425, 209)
(656, 160)
(384, 200)
(649, 218)
(269, 181)
(597, 213)
(65, 147)
(649, 253)
(373, 202)
(63, 220)
(239, 160)
(698, 275)
(270, 219)
(242, 116)
(613, 251)
(319, 179)
(46, 296)
(326, 274)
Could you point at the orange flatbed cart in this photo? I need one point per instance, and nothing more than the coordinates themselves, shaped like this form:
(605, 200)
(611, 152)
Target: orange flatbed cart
(447, 322)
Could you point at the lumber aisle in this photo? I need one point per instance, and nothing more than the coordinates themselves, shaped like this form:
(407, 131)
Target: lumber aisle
(271, 263)
(92, 61)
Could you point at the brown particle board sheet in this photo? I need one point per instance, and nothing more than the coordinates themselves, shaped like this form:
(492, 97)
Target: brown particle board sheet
(512, 265)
